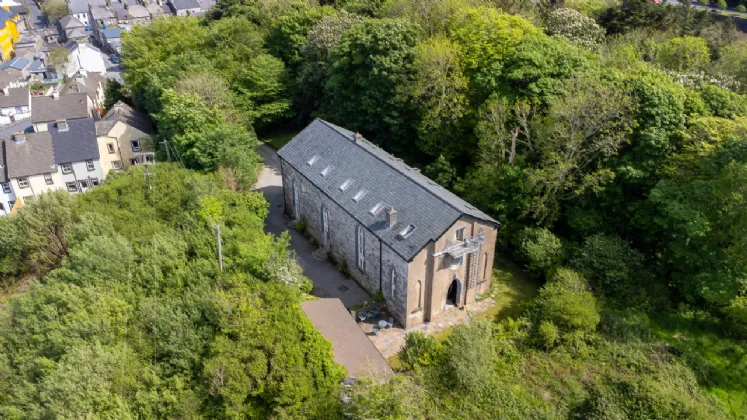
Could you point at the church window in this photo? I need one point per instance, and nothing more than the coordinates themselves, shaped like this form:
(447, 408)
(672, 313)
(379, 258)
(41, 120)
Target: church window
(361, 249)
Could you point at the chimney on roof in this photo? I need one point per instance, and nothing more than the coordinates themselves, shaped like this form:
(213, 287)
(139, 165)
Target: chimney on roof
(19, 138)
(391, 217)
(356, 137)
(6, 90)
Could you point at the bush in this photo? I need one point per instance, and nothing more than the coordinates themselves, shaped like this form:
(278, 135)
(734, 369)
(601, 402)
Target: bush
(548, 334)
(540, 249)
(703, 2)
(420, 350)
(721, 4)
(741, 8)
(574, 26)
(469, 356)
(566, 303)
(615, 269)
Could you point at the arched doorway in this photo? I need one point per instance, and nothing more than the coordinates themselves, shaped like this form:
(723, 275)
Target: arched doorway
(453, 296)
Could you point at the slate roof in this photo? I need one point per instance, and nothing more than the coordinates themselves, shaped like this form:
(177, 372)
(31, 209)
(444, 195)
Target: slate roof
(70, 22)
(120, 11)
(103, 127)
(130, 116)
(81, 6)
(113, 33)
(76, 144)
(33, 157)
(18, 63)
(137, 11)
(76, 33)
(387, 180)
(68, 107)
(185, 4)
(5, 15)
(15, 97)
(8, 76)
(99, 12)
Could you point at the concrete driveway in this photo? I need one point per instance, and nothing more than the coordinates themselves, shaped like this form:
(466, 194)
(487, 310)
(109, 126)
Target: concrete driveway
(328, 282)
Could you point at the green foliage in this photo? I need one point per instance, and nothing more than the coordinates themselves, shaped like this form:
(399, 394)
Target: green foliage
(372, 60)
(547, 334)
(684, 54)
(741, 8)
(129, 319)
(573, 26)
(58, 59)
(54, 10)
(721, 4)
(566, 302)
(468, 356)
(288, 34)
(420, 351)
(542, 250)
(113, 93)
(724, 103)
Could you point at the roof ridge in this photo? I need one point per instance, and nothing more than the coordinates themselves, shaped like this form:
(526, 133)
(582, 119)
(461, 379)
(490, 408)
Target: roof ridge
(405, 173)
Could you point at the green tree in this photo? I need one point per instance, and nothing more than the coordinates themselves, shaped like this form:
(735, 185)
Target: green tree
(573, 26)
(58, 59)
(43, 226)
(541, 250)
(721, 4)
(371, 63)
(684, 54)
(468, 354)
(289, 33)
(566, 302)
(54, 10)
(113, 93)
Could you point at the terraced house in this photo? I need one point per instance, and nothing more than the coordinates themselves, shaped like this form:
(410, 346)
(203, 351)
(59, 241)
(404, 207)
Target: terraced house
(8, 32)
(396, 231)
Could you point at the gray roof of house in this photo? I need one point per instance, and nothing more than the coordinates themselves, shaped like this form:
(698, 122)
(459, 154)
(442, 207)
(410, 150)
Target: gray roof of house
(103, 127)
(18, 63)
(15, 97)
(112, 33)
(120, 11)
(130, 116)
(137, 11)
(67, 107)
(33, 157)
(76, 33)
(81, 6)
(76, 144)
(70, 22)
(8, 76)
(185, 4)
(387, 180)
(102, 12)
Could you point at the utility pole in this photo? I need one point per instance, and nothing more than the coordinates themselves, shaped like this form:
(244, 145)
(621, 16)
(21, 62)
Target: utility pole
(147, 177)
(220, 246)
(168, 152)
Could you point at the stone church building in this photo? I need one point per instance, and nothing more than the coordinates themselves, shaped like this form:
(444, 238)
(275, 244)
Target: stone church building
(396, 230)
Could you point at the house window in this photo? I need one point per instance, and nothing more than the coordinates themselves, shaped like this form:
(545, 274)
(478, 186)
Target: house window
(6, 187)
(485, 266)
(456, 262)
(135, 145)
(23, 182)
(110, 147)
(67, 168)
(95, 182)
(460, 234)
(361, 245)
(2, 207)
(83, 184)
(393, 281)
(71, 186)
(89, 165)
(48, 179)
(11, 204)
(116, 164)
(134, 161)
(149, 158)
(19, 109)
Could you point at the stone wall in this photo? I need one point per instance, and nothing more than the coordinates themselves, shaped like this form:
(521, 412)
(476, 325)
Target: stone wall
(397, 304)
(342, 228)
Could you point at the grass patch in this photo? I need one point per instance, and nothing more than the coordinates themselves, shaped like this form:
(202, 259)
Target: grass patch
(279, 137)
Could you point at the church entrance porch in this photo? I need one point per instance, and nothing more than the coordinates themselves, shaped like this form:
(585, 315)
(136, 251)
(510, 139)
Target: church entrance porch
(453, 296)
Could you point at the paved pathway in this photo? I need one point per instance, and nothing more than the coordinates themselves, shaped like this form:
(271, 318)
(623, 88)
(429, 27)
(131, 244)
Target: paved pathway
(390, 341)
(328, 282)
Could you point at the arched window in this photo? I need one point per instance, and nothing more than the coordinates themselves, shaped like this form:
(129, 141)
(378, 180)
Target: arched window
(393, 281)
(485, 266)
(361, 249)
(325, 227)
(420, 294)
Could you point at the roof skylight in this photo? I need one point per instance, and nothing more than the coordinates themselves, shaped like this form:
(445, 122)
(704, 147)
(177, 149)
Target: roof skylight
(406, 232)
(313, 160)
(346, 184)
(360, 194)
(376, 210)
(327, 170)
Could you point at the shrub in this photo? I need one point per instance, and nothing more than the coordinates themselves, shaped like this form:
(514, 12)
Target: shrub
(721, 4)
(565, 302)
(613, 267)
(469, 356)
(301, 226)
(741, 8)
(548, 334)
(703, 2)
(541, 249)
(420, 350)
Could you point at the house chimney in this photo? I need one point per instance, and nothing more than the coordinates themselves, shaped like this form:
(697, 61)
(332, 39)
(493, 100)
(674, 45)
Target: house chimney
(19, 138)
(356, 137)
(6, 91)
(391, 217)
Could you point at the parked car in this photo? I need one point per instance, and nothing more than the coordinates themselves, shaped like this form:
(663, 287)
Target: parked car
(114, 59)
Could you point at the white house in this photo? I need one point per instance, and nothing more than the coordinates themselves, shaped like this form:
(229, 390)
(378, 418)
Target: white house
(15, 105)
(87, 58)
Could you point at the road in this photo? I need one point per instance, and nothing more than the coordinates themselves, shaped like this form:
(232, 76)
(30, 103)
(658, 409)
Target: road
(700, 6)
(322, 273)
(36, 17)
